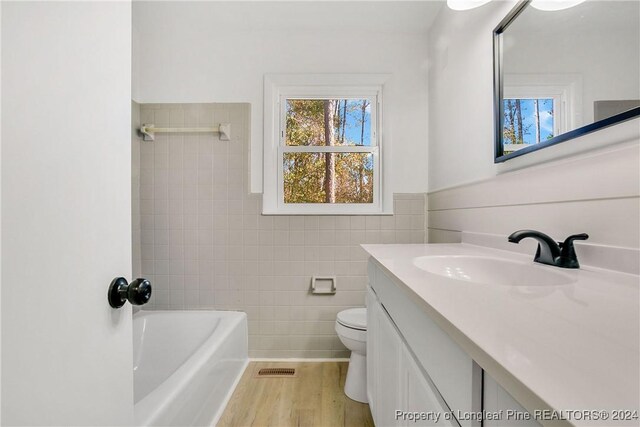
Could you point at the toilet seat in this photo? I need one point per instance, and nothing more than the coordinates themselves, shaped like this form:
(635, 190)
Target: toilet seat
(359, 335)
(353, 318)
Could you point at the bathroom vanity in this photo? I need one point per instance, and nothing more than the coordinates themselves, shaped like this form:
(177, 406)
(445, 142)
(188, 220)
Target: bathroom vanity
(459, 332)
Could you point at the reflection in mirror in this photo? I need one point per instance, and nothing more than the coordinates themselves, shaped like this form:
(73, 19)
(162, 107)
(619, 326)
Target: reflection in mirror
(561, 74)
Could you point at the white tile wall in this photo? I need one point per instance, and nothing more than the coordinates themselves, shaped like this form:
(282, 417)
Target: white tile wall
(597, 193)
(204, 243)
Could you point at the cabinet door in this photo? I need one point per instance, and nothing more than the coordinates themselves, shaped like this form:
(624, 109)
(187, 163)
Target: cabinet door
(388, 373)
(458, 378)
(496, 400)
(419, 396)
(373, 308)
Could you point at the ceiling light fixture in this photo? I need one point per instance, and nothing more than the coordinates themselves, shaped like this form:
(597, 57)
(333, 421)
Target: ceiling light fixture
(551, 5)
(465, 4)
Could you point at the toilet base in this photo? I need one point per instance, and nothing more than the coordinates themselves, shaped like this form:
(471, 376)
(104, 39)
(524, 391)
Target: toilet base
(355, 386)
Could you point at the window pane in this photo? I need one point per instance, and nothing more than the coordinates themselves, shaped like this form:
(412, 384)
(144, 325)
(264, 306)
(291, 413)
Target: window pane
(527, 122)
(328, 178)
(350, 122)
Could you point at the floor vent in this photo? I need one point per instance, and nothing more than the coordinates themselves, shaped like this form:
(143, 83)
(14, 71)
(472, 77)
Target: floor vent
(276, 373)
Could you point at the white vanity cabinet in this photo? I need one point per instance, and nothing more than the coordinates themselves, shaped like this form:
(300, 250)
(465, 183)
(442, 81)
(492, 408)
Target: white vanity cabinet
(415, 367)
(395, 380)
(373, 342)
(412, 365)
(387, 369)
(458, 309)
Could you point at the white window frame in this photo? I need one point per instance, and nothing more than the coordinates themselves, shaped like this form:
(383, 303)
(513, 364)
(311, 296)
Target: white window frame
(564, 89)
(278, 88)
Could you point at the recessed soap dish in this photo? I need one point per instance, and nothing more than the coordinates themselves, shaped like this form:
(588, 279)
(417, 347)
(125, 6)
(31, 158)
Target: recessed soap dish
(323, 285)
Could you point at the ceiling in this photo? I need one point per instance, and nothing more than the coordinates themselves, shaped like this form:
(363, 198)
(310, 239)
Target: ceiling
(312, 15)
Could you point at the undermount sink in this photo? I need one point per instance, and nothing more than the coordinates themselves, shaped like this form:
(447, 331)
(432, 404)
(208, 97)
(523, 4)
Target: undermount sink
(490, 270)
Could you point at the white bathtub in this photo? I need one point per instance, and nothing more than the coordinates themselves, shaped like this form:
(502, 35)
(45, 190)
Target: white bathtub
(186, 365)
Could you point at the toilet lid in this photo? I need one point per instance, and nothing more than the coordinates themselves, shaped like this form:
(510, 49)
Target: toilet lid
(354, 318)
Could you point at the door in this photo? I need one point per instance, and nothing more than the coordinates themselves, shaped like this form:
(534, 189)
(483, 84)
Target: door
(66, 212)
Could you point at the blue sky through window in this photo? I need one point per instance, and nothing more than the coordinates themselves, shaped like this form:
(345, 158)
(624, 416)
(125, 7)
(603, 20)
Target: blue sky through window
(353, 130)
(527, 106)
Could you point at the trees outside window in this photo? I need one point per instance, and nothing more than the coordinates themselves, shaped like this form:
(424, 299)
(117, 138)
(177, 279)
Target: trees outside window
(329, 177)
(323, 148)
(527, 121)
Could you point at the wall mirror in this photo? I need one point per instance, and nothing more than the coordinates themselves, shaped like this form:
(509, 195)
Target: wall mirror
(560, 74)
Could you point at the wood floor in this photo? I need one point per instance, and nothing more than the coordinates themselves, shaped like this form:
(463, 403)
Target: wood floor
(314, 398)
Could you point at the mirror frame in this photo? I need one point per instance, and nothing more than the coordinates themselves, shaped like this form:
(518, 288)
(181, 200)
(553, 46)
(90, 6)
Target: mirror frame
(498, 105)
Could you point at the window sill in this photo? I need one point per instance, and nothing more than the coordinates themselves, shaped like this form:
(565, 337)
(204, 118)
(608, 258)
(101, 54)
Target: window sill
(311, 210)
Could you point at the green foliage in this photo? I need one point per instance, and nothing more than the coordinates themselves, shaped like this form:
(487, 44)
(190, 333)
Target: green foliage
(305, 173)
(514, 128)
(305, 122)
(354, 172)
(304, 177)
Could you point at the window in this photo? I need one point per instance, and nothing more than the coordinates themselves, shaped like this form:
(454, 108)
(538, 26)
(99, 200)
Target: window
(323, 151)
(528, 121)
(538, 107)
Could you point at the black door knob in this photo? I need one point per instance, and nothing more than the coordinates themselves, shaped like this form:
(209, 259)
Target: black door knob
(137, 292)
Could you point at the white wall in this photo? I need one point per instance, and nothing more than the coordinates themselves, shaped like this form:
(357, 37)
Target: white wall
(595, 192)
(461, 94)
(206, 52)
(589, 184)
(461, 102)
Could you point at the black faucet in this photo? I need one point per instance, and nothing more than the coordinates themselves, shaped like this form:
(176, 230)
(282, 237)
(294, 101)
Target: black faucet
(560, 254)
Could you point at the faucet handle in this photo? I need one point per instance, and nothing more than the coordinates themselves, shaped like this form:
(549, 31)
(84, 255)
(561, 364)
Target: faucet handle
(568, 257)
(569, 240)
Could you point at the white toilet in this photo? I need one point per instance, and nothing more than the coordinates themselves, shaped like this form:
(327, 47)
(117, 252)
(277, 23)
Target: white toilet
(351, 326)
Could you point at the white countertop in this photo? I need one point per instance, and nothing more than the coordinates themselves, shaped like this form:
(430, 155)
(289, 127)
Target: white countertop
(574, 346)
